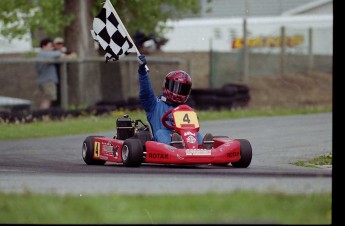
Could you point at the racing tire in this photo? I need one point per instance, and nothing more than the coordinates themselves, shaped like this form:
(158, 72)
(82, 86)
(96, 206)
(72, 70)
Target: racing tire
(132, 152)
(87, 152)
(246, 154)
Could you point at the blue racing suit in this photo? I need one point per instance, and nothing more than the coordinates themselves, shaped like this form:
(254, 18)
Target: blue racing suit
(155, 108)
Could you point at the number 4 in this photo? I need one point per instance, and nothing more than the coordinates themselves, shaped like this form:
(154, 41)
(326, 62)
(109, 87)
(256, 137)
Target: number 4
(186, 118)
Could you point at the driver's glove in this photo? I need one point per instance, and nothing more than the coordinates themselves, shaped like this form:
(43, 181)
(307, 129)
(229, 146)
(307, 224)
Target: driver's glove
(142, 62)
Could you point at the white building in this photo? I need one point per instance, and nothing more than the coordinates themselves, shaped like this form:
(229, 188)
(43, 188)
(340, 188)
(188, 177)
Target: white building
(265, 18)
(221, 28)
(15, 45)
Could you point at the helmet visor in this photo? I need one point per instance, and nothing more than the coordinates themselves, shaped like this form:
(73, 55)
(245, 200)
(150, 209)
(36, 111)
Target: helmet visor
(177, 87)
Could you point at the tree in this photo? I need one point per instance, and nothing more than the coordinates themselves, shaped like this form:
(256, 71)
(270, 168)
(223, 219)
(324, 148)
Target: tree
(72, 19)
(20, 17)
(150, 16)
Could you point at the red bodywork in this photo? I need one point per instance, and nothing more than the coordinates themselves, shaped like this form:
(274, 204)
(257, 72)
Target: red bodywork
(225, 150)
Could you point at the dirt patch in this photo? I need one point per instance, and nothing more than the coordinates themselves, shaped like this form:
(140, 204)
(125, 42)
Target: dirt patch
(315, 89)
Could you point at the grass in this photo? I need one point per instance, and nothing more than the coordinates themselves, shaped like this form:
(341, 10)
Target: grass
(316, 162)
(94, 124)
(237, 207)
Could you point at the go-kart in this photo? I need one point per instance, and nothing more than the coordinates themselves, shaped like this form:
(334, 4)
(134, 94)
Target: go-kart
(133, 144)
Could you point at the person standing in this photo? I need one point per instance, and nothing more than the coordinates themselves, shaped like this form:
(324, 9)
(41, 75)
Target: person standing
(47, 78)
(59, 45)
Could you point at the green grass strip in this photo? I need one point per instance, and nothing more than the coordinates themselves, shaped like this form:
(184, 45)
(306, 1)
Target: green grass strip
(235, 207)
(95, 124)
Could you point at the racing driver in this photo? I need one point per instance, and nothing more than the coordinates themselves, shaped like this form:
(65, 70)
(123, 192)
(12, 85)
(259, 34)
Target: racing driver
(176, 89)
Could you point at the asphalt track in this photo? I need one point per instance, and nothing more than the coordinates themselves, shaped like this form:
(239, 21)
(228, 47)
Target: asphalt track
(55, 165)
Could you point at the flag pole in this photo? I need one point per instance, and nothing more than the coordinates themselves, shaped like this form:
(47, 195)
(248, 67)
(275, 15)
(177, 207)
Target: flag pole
(129, 37)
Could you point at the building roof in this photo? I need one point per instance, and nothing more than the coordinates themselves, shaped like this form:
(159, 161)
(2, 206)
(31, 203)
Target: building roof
(310, 7)
(253, 8)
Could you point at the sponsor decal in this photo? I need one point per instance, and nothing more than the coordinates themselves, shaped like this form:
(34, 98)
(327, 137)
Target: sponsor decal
(115, 153)
(107, 148)
(189, 133)
(191, 139)
(104, 157)
(158, 156)
(179, 157)
(268, 41)
(228, 143)
(187, 126)
(198, 152)
(232, 154)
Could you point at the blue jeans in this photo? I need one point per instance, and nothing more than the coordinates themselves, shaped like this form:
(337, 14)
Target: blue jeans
(164, 136)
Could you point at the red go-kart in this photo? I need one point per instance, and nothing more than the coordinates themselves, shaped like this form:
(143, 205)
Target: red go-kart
(133, 144)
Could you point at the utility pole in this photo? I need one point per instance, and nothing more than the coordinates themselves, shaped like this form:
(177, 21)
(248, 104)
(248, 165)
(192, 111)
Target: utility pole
(245, 47)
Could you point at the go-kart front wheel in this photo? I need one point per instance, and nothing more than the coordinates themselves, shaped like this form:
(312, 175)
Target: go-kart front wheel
(87, 151)
(246, 154)
(132, 152)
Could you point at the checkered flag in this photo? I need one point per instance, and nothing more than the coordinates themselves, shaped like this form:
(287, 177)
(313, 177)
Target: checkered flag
(111, 34)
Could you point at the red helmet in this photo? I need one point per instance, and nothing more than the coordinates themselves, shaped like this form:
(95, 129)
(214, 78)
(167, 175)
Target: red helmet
(177, 86)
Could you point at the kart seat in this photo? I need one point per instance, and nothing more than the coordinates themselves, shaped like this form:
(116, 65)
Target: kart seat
(144, 134)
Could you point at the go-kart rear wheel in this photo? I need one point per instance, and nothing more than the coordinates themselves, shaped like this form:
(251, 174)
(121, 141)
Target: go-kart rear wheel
(246, 154)
(87, 152)
(132, 152)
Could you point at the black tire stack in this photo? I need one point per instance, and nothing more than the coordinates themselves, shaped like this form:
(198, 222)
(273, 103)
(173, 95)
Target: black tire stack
(227, 97)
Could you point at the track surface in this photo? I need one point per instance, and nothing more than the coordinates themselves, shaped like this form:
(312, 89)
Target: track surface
(55, 165)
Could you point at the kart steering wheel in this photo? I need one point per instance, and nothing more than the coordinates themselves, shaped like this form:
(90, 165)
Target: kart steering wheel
(165, 119)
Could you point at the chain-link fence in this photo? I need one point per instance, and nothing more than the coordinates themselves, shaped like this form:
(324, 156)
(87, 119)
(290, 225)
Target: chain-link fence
(288, 50)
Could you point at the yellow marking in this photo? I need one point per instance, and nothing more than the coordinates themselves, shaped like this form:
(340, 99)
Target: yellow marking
(183, 118)
(96, 152)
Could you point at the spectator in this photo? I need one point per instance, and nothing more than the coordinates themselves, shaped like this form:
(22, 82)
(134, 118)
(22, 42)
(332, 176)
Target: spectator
(59, 45)
(148, 44)
(47, 74)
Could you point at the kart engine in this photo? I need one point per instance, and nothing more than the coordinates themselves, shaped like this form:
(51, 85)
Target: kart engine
(124, 128)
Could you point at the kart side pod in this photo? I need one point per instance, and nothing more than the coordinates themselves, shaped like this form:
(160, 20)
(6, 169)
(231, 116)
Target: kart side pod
(124, 128)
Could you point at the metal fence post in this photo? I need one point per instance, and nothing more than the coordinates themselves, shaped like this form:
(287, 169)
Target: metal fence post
(211, 79)
(245, 51)
(310, 50)
(283, 50)
(63, 86)
(130, 71)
